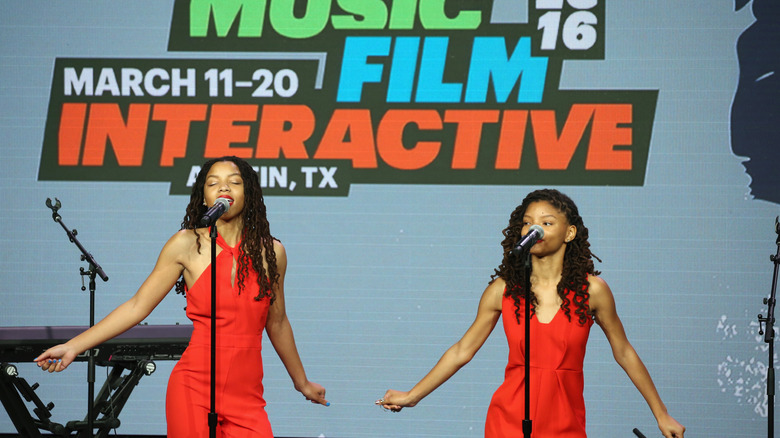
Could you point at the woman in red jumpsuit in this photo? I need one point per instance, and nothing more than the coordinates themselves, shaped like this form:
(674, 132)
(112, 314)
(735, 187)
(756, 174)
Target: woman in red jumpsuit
(251, 265)
(567, 298)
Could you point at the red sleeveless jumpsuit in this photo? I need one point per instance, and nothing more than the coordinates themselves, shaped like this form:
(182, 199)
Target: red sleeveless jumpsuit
(239, 387)
(557, 355)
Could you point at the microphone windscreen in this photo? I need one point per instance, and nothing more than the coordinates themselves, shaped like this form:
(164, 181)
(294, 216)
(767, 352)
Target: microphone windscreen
(538, 229)
(224, 202)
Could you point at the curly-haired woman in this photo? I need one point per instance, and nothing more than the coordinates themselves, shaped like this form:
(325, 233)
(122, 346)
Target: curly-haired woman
(250, 287)
(566, 299)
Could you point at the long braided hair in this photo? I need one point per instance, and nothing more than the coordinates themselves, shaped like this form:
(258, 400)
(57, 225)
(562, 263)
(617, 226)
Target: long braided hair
(256, 238)
(577, 258)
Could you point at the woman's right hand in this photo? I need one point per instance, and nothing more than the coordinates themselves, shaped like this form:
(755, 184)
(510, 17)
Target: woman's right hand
(56, 358)
(396, 400)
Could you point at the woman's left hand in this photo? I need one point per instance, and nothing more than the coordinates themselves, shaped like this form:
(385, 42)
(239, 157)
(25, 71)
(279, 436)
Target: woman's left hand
(315, 393)
(670, 428)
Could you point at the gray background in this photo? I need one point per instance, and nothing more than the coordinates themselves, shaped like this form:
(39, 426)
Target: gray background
(381, 282)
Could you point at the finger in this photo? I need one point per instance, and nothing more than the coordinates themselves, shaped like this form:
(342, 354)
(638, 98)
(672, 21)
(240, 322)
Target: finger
(320, 400)
(385, 404)
(40, 360)
(53, 365)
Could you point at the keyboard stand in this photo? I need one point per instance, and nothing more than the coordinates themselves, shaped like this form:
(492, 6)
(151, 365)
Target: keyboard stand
(106, 407)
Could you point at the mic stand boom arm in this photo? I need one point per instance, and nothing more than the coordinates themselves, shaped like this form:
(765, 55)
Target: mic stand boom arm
(85, 255)
(93, 271)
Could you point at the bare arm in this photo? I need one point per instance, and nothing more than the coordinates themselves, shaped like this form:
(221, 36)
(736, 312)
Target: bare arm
(602, 303)
(456, 356)
(281, 335)
(159, 282)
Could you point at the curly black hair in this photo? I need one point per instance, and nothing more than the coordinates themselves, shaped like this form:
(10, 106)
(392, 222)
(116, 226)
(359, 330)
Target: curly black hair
(577, 258)
(256, 238)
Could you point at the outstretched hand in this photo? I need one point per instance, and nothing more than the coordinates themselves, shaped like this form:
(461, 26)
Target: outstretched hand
(315, 393)
(395, 401)
(56, 358)
(670, 428)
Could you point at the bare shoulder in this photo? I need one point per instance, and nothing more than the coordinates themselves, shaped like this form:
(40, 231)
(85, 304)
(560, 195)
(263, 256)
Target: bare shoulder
(494, 294)
(279, 248)
(183, 247)
(184, 240)
(498, 285)
(183, 236)
(597, 284)
(281, 255)
(600, 293)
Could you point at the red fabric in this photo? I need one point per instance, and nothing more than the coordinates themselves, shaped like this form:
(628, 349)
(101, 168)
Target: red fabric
(239, 390)
(557, 353)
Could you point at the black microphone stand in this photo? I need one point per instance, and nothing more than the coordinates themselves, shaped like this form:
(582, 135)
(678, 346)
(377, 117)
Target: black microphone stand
(93, 271)
(527, 422)
(769, 335)
(210, 219)
(212, 399)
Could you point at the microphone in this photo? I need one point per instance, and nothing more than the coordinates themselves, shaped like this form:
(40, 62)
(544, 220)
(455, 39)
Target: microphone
(221, 206)
(638, 433)
(526, 242)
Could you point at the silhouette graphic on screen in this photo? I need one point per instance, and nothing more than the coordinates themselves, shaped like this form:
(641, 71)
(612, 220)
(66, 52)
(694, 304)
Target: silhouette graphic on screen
(755, 112)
